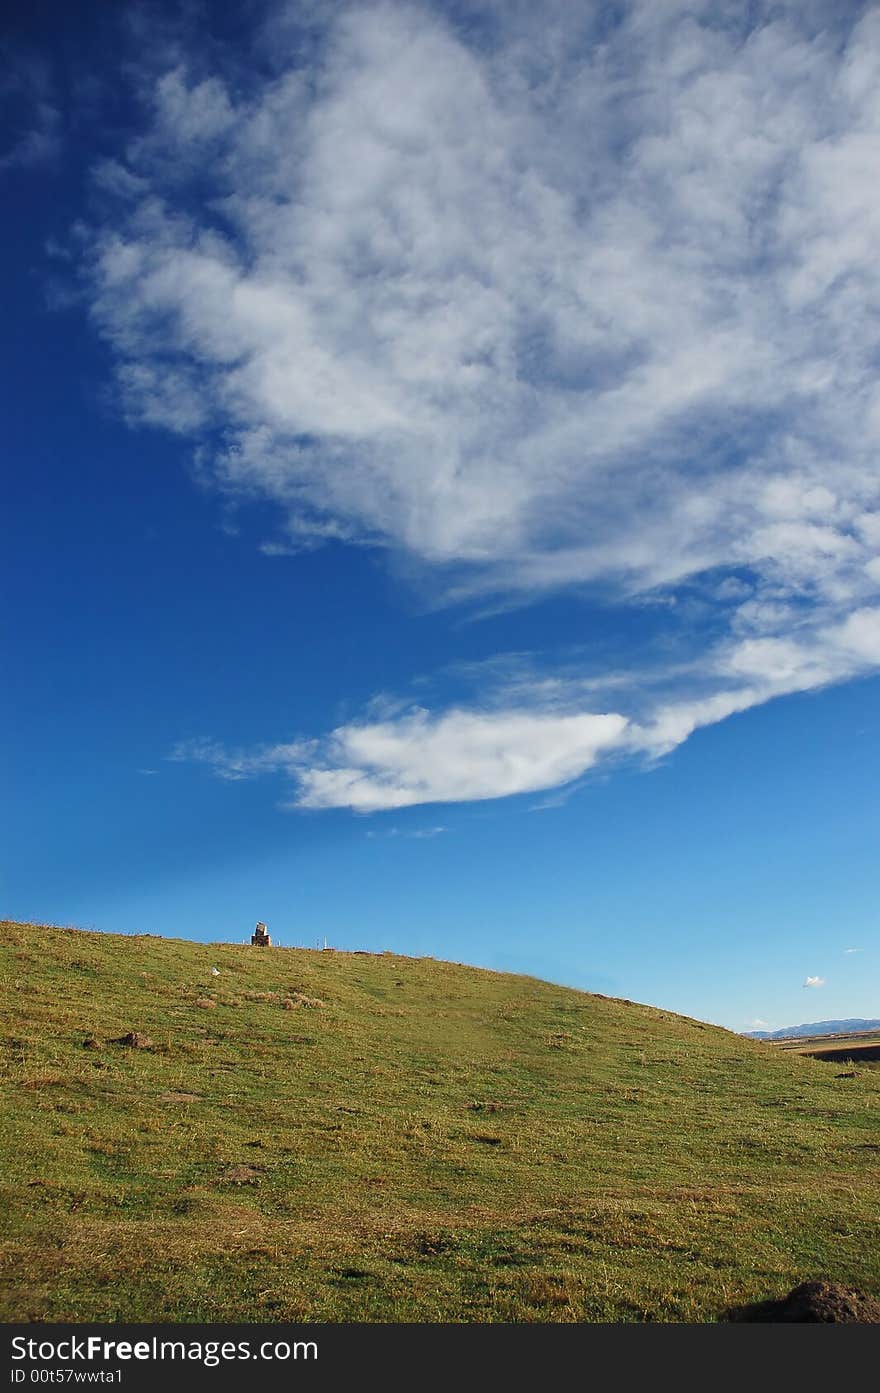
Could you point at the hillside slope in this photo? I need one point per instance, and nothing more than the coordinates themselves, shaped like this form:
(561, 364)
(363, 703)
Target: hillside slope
(338, 1136)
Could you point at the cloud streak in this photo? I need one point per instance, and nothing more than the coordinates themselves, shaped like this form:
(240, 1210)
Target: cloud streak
(459, 756)
(547, 739)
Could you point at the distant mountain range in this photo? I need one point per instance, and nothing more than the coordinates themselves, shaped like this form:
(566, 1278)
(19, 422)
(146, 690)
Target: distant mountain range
(793, 1032)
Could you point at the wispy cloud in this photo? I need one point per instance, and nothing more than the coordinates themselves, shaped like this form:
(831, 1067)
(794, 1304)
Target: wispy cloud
(234, 765)
(567, 308)
(419, 834)
(30, 119)
(814, 982)
(852, 950)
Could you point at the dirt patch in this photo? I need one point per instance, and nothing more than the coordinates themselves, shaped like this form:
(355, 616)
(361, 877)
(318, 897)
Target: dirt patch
(242, 1175)
(349, 1274)
(134, 1040)
(813, 1302)
(429, 1245)
(206, 1003)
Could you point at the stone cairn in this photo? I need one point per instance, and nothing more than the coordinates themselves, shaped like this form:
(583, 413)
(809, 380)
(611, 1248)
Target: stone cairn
(260, 937)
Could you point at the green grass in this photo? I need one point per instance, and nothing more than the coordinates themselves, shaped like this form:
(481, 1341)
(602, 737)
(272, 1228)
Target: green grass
(432, 1143)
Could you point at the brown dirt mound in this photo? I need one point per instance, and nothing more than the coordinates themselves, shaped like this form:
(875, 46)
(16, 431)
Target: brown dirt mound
(134, 1040)
(242, 1175)
(813, 1302)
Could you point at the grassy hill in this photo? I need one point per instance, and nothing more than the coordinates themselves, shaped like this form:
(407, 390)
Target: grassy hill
(341, 1136)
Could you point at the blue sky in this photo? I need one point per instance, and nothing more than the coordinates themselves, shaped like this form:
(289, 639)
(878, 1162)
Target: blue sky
(443, 510)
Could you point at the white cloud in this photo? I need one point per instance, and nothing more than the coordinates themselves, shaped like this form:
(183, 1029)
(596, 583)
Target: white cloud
(459, 756)
(814, 982)
(612, 321)
(565, 307)
(852, 950)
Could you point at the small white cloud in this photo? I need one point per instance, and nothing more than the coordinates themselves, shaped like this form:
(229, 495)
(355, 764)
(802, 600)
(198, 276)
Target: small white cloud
(460, 756)
(852, 950)
(758, 1024)
(814, 982)
(277, 549)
